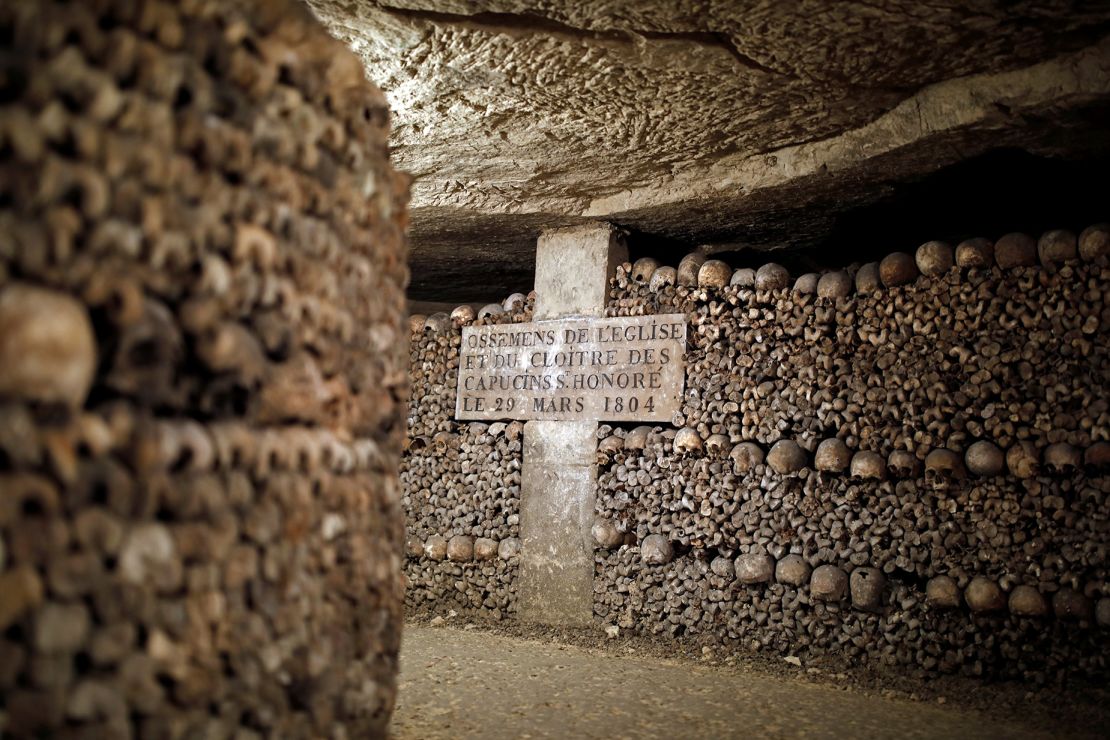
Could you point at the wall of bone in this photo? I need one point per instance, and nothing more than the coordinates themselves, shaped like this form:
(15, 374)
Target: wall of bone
(461, 481)
(202, 375)
(904, 462)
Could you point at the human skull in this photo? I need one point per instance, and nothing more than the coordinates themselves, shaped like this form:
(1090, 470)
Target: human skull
(903, 464)
(1094, 242)
(718, 445)
(942, 592)
(837, 284)
(414, 547)
(460, 548)
(723, 567)
(437, 323)
(435, 547)
(1097, 457)
(976, 252)
(869, 465)
(147, 359)
(508, 548)
(868, 279)
(514, 302)
(656, 550)
(793, 570)
(688, 269)
(606, 534)
(687, 440)
(714, 274)
(611, 444)
(897, 269)
(1056, 246)
(771, 276)
(867, 587)
(752, 568)
(1071, 604)
(491, 309)
(643, 269)
(743, 278)
(443, 441)
(786, 456)
(832, 456)
(1026, 601)
(746, 456)
(1015, 250)
(485, 549)
(943, 468)
(934, 258)
(984, 458)
(807, 284)
(463, 315)
(828, 583)
(637, 438)
(48, 347)
(607, 446)
(1062, 459)
(984, 595)
(661, 278)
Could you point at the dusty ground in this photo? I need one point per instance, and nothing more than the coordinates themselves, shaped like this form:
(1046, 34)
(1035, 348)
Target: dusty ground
(469, 681)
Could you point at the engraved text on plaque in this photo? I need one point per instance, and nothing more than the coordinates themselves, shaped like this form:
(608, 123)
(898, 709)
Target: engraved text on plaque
(618, 369)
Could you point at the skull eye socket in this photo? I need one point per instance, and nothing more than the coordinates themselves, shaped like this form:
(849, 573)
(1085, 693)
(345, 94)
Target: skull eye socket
(183, 461)
(32, 507)
(144, 353)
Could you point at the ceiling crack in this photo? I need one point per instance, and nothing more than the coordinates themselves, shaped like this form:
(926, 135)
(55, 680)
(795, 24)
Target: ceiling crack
(535, 24)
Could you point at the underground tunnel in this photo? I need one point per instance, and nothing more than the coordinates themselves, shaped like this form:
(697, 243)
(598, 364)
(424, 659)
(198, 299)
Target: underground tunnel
(506, 368)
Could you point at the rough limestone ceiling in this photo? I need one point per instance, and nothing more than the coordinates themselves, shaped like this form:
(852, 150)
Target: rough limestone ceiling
(700, 120)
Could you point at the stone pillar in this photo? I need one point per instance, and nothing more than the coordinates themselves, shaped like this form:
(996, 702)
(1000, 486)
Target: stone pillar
(559, 475)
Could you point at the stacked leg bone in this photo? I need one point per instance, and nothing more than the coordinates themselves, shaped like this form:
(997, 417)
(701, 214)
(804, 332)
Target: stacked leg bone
(903, 461)
(460, 480)
(201, 375)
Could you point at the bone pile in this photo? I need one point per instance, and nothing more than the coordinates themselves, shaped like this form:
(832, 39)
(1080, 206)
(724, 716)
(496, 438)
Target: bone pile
(905, 462)
(460, 480)
(201, 375)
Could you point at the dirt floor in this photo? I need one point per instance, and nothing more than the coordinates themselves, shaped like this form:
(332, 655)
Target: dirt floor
(462, 680)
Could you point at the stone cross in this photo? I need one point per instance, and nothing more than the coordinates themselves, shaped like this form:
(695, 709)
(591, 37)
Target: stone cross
(558, 479)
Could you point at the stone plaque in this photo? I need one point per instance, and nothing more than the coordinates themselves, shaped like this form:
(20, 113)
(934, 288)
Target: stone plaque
(621, 369)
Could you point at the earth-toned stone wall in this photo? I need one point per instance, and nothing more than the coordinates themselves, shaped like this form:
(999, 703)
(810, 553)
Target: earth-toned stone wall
(202, 375)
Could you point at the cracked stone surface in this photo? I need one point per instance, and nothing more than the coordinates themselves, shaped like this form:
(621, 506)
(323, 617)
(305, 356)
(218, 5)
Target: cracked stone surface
(703, 120)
